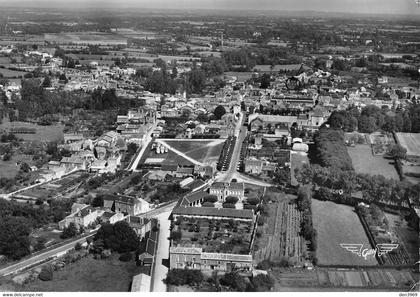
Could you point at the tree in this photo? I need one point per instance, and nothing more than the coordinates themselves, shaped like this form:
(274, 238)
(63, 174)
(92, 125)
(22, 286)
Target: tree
(176, 235)
(46, 83)
(98, 201)
(265, 81)
(119, 237)
(78, 246)
(234, 280)
(219, 112)
(397, 151)
(261, 283)
(46, 273)
(14, 237)
(70, 231)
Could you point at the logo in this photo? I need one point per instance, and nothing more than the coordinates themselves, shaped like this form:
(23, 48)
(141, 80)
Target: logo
(381, 249)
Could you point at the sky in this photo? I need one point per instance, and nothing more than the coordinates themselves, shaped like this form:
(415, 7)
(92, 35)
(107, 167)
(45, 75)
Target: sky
(349, 6)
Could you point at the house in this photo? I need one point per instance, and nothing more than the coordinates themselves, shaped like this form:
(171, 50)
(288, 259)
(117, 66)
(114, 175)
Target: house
(147, 256)
(195, 258)
(83, 217)
(126, 204)
(214, 213)
(111, 217)
(253, 166)
(73, 162)
(140, 225)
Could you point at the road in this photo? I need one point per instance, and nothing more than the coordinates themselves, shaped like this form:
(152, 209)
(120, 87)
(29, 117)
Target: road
(143, 148)
(240, 133)
(68, 246)
(162, 254)
(43, 257)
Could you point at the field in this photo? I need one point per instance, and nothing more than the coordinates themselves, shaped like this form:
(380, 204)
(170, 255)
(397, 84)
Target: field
(280, 236)
(86, 38)
(364, 162)
(411, 141)
(89, 275)
(43, 133)
(9, 169)
(336, 224)
(336, 279)
(11, 73)
(408, 236)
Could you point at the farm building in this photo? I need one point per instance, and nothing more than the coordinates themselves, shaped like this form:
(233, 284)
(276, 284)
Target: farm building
(141, 283)
(195, 258)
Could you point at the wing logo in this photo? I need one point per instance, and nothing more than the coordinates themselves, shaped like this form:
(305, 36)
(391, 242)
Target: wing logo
(381, 249)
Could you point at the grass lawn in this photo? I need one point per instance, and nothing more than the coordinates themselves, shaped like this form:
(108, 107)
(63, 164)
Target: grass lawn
(89, 275)
(43, 133)
(202, 151)
(9, 169)
(364, 162)
(336, 224)
(11, 73)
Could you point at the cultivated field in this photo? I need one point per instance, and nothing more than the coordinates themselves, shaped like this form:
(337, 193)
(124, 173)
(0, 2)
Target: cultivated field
(86, 38)
(280, 235)
(364, 162)
(336, 224)
(89, 275)
(411, 141)
(43, 133)
(323, 279)
(408, 236)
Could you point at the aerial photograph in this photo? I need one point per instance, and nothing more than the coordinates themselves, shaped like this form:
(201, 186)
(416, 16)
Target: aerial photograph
(199, 146)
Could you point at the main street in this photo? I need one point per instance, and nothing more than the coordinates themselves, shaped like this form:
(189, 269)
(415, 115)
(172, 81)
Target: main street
(240, 133)
(149, 138)
(162, 253)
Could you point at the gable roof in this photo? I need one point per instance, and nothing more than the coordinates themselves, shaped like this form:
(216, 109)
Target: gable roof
(215, 212)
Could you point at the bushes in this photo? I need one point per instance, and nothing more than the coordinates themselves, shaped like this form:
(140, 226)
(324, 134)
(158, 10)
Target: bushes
(125, 257)
(231, 199)
(228, 205)
(210, 198)
(208, 204)
(176, 235)
(235, 281)
(261, 283)
(253, 201)
(69, 232)
(78, 246)
(46, 273)
(180, 277)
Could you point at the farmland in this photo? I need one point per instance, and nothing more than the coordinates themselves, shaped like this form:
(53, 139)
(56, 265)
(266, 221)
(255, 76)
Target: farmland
(330, 279)
(86, 38)
(364, 162)
(280, 235)
(407, 235)
(43, 133)
(11, 73)
(336, 224)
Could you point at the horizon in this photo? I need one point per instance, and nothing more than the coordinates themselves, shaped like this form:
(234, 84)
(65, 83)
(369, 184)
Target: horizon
(352, 7)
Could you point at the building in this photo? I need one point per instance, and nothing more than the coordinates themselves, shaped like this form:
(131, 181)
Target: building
(223, 190)
(195, 258)
(82, 217)
(214, 213)
(140, 225)
(126, 204)
(111, 217)
(253, 166)
(141, 283)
